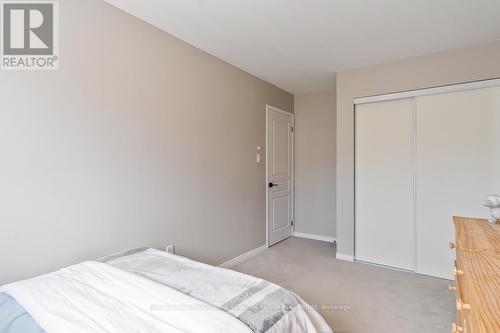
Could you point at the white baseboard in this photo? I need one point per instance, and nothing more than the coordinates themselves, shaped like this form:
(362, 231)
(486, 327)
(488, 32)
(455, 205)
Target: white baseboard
(315, 237)
(345, 257)
(239, 259)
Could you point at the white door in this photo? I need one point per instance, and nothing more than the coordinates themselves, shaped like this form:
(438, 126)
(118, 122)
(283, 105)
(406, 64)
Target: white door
(384, 169)
(279, 149)
(458, 164)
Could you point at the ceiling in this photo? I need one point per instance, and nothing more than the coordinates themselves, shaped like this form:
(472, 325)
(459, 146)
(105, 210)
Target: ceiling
(299, 45)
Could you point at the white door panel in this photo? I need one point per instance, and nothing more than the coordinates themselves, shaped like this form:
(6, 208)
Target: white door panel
(281, 212)
(457, 154)
(385, 226)
(279, 175)
(281, 127)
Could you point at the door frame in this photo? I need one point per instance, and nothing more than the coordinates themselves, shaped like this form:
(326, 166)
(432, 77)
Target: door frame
(345, 154)
(292, 176)
(414, 94)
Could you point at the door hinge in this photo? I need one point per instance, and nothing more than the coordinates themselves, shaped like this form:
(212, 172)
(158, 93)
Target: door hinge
(291, 223)
(292, 129)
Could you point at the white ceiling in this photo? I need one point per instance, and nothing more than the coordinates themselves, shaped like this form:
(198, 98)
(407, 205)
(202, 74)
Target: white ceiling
(299, 45)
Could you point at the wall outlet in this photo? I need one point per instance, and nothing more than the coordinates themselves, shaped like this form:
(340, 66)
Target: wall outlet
(170, 248)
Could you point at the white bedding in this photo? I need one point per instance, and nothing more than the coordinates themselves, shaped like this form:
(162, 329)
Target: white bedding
(154, 291)
(96, 297)
(243, 296)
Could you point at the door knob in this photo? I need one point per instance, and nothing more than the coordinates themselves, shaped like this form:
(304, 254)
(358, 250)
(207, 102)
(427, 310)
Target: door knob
(462, 306)
(455, 328)
(271, 185)
(457, 271)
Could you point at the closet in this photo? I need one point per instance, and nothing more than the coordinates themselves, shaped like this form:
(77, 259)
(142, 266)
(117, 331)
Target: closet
(419, 161)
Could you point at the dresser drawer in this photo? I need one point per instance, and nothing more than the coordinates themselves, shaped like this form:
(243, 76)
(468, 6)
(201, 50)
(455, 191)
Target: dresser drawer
(477, 276)
(478, 290)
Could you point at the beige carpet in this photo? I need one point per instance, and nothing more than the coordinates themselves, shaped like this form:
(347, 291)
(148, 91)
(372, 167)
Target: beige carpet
(381, 300)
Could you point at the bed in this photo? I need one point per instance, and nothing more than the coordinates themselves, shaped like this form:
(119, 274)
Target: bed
(148, 290)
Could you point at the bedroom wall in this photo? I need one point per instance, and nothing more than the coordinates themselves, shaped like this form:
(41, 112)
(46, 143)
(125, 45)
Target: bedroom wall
(139, 139)
(315, 163)
(456, 66)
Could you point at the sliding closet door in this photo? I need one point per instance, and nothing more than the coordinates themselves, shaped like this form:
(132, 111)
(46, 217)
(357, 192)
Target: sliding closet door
(457, 164)
(384, 227)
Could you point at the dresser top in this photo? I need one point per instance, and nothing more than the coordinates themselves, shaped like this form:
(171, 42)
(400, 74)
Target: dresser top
(477, 234)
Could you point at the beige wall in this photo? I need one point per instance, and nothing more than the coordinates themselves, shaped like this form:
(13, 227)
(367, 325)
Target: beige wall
(456, 66)
(138, 140)
(315, 163)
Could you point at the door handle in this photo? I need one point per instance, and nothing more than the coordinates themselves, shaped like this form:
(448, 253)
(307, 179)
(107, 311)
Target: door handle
(271, 185)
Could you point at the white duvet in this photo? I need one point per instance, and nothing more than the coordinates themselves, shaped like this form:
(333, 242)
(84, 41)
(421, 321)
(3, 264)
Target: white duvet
(96, 297)
(217, 286)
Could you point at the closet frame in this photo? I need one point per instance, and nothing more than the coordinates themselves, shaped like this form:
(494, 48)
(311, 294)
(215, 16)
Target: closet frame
(413, 94)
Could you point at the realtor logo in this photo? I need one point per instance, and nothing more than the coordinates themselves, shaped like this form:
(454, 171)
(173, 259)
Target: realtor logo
(30, 35)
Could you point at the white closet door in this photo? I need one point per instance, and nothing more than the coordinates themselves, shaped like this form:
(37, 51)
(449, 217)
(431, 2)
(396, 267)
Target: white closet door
(457, 164)
(384, 227)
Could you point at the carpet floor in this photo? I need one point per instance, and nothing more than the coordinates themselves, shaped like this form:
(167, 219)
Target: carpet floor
(356, 297)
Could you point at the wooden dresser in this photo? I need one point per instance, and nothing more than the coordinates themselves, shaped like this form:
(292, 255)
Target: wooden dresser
(477, 276)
